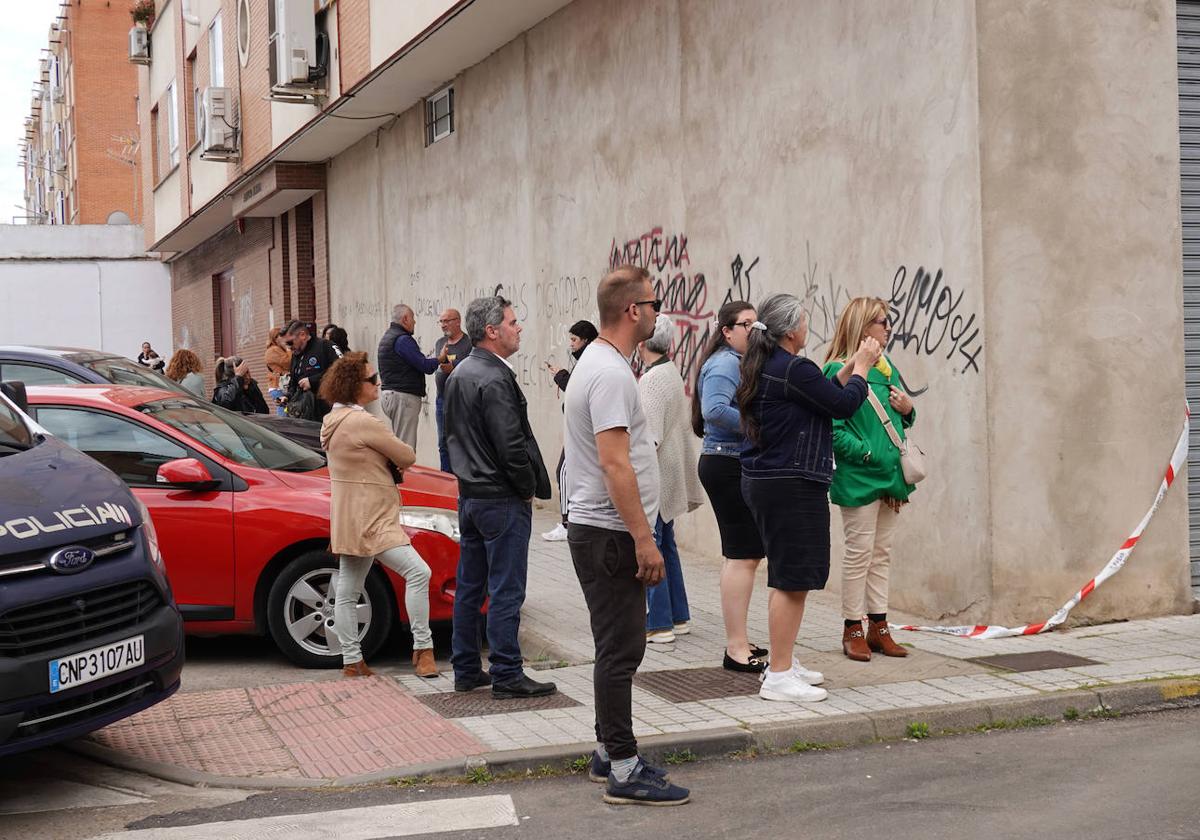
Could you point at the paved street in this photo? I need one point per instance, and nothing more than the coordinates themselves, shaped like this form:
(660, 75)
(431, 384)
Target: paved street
(1100, 780)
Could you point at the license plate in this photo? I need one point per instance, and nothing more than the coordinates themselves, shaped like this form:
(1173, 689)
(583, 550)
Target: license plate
(90, 665)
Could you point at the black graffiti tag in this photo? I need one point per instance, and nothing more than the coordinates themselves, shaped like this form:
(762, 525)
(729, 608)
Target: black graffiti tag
(925, 318)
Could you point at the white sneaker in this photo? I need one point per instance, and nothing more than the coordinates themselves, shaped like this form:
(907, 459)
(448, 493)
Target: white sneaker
(788, 687)
(683, 628)
(660, 637)
(810, 677)
(557, 535)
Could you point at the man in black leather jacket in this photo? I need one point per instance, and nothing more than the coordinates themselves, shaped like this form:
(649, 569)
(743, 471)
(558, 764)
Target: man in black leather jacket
(311, 357)
(500, 470)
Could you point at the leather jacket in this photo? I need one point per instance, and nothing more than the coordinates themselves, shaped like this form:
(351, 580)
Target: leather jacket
(492, 449)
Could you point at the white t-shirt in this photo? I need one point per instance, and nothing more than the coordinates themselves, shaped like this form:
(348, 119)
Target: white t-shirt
(603, 395)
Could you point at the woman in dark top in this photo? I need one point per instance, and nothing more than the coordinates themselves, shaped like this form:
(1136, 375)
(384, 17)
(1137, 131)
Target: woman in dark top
(787, 408)
(337, 336)
(581, 334)
(236, 389)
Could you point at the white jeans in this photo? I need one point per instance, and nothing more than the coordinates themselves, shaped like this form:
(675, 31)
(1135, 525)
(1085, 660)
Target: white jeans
(352, 573)
(869, 531)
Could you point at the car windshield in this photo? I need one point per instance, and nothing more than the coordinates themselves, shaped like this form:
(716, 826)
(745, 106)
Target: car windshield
(121, 371)
(233, 436)
(14, 434)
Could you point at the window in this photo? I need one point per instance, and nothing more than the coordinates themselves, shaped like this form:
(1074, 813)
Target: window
(13, 432)
(35, 375)
(155, 146)
(216, 53)
(439, 115)
(172, 125)
(197, 118)
(127, 448)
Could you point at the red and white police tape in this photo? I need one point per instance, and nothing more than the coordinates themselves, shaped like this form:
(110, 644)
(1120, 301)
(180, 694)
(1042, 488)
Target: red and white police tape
(988, 631)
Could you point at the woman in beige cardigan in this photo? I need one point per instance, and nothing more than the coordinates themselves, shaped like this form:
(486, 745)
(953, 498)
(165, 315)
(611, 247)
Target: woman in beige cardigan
(365, 510)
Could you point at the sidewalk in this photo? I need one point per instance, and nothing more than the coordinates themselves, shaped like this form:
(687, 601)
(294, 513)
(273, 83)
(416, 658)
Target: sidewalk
(348, 731)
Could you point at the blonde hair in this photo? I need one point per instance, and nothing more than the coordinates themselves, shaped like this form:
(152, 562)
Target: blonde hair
(852, 326)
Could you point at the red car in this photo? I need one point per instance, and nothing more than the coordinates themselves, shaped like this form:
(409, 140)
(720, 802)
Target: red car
(242, 516)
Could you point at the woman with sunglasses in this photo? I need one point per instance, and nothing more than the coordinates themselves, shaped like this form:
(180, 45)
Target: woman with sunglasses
(364, 522)
(715, 418)
(868, 482)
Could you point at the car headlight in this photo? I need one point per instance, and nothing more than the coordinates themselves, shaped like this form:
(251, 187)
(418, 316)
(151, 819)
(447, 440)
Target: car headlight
(151, 536)
(431, 519)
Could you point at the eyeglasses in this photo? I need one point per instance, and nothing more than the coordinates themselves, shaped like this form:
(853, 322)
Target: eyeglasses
(447, 320)
(746, 324)
(288, 343)
(883, 322)
(373, 378)
(656, 303)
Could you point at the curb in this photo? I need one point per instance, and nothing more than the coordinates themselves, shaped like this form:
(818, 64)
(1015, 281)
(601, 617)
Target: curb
(838, 730)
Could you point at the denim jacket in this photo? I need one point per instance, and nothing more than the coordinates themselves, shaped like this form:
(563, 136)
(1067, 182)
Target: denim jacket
(717, 385)
(795, 407)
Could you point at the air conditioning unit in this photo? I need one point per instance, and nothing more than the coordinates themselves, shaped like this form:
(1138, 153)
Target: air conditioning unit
(293, 46)
(139, 45)
(219, 124)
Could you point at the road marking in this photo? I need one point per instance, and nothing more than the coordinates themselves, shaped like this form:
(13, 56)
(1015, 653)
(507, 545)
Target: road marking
(373, 823)
(54, 795)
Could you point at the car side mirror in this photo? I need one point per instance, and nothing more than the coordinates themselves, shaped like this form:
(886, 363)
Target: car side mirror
(186, 474)
(15, 391)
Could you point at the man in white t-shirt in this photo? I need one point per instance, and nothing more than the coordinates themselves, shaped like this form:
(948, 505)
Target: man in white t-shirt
(612, 486)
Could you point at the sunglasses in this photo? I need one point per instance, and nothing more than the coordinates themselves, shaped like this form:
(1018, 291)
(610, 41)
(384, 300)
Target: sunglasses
(373, 378)
(656, 303)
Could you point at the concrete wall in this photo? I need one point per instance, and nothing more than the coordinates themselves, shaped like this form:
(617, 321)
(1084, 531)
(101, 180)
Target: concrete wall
(83, 286)
(833, 150)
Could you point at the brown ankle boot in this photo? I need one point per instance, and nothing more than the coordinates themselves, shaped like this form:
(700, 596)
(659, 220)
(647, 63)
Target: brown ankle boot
(423, 662)
(357, 669)
(854, 644)
(879, 639)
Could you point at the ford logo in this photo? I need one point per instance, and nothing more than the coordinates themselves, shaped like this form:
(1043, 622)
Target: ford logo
(68, 561)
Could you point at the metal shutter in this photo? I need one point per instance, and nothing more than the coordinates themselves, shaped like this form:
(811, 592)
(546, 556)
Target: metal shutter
(1188, 29)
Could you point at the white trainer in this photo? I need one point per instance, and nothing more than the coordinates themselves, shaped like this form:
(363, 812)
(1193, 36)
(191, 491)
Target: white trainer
(683, 628)
(810, 677)
(660, 637)
(788, 687)
(557, 535)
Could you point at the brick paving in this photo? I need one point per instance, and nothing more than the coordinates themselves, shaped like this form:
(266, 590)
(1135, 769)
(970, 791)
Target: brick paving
(338, 728)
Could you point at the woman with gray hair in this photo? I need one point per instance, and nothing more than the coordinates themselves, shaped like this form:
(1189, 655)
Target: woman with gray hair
(667, 420)
(787, 408)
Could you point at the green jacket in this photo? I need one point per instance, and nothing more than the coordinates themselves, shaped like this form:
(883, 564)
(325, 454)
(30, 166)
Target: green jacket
(867, 463)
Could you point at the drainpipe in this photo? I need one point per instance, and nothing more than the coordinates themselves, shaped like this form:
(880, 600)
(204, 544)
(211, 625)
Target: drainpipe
(187, 14)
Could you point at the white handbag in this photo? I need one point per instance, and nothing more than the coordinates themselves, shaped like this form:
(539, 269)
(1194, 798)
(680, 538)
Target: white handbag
(912, 457)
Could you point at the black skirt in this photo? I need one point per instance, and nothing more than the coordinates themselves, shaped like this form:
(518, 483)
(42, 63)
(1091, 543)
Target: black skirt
(792, 514)
(721, 476)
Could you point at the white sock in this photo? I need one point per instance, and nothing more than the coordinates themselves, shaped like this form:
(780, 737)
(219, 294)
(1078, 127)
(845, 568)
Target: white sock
(623, 768)
(601, 751)
(776, 676)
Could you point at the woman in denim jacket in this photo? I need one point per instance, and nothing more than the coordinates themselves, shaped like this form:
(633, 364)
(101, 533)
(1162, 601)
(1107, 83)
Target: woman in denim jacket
(715, 418)
(787, 408)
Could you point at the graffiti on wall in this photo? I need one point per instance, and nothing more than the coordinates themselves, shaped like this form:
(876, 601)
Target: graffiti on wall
(929, 319)
(243, 320)
(824, 298)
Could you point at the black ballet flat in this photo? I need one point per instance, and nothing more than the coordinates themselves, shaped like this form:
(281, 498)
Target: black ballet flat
(752, 666)
(756, 651)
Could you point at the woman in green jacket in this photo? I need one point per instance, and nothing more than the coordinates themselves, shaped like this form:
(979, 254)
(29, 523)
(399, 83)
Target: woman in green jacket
(868, 483)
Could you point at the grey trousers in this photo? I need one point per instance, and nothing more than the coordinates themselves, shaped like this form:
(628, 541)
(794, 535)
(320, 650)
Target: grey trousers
(403, 412)
(352, 574)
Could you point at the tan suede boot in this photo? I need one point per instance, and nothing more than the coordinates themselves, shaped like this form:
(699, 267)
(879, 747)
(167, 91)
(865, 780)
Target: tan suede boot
(357, 669)
(424, 663)
(854, 644)
(879, 639)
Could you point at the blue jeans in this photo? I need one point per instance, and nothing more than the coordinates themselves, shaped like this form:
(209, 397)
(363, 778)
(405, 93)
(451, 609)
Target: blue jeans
(667, 601)
(493, 562)
(440, 415)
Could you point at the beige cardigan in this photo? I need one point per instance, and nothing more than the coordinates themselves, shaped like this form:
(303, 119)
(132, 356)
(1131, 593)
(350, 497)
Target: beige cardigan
(669, 421)
(365, 503)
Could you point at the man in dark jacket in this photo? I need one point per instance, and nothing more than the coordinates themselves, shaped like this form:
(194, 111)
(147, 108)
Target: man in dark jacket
(402, 371)
(311, 357)
(499, 468)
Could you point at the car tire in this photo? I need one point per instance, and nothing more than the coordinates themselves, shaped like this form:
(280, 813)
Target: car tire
(298, 597)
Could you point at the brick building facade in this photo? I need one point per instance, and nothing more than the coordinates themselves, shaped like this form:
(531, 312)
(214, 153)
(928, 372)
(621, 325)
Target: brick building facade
(81, 162)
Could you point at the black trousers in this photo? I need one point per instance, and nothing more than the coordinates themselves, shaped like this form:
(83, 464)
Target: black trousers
(606, 565)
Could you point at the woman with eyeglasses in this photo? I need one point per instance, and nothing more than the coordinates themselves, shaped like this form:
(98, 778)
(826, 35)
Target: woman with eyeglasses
(787, 408)
(715, 418)
(868, 482)
(364, 522)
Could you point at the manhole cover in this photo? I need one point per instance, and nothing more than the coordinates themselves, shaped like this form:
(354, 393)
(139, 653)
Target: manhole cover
(456, 704)
(1035, 660)
(694, 684)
